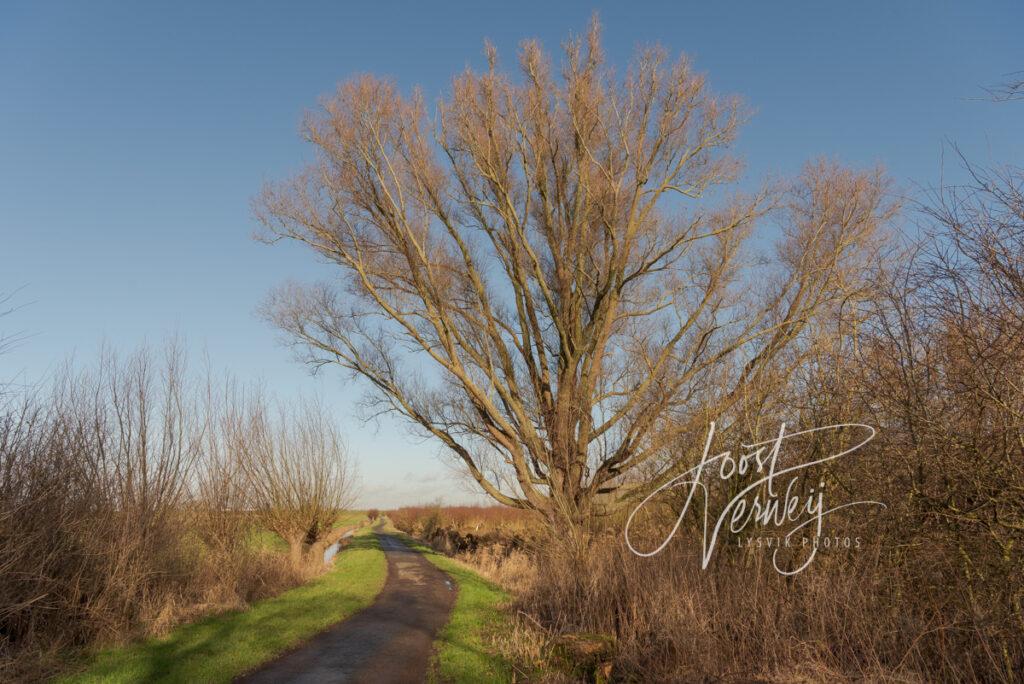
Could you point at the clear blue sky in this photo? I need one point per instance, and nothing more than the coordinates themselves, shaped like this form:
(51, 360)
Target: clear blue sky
(132, 139)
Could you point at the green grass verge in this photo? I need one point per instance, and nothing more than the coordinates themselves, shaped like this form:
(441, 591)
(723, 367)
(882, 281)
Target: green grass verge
(462, 652)
(220, 647)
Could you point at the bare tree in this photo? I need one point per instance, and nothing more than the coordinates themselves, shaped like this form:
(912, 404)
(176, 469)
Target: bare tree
(549, 275)
(297, 473)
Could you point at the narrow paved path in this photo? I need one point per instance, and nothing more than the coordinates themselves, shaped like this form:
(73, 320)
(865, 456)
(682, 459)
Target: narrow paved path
(390, 641)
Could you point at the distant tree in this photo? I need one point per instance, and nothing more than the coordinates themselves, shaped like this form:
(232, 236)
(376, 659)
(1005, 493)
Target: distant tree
(372, 514)
(549, 276)
(297, 473)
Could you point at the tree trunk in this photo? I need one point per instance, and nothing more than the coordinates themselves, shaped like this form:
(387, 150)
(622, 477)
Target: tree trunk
(295, 550)
(572, 527)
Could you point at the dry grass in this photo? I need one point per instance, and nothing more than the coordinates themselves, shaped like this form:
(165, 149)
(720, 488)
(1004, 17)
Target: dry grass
(882, 612)
(221, 647)
(847, 618)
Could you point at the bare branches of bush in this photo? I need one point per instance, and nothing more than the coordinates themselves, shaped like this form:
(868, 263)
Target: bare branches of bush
(125, 504)
(8, 339)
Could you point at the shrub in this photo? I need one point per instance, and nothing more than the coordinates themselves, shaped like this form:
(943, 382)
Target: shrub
(121, 513)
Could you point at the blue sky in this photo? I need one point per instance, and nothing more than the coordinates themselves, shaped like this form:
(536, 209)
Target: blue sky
(132, 139)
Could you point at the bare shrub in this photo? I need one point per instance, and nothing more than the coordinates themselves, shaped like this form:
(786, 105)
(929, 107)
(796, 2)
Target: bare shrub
(93, 478)
(122, 511)
(8, 339)
(850, 616)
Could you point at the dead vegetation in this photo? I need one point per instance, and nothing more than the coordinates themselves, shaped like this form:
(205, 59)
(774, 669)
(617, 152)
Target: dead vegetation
(124, 510)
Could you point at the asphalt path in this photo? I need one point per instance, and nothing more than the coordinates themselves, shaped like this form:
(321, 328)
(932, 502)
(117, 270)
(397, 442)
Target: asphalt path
(389, 641)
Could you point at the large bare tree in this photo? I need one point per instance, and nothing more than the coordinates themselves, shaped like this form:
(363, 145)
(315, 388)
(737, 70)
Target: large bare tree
(549, 274)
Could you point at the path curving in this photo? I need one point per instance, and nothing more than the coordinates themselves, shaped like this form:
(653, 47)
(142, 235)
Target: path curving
(390, 641)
